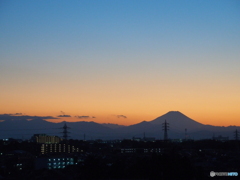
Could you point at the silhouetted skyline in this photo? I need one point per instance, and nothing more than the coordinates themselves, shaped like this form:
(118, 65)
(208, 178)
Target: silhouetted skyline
(176, 125)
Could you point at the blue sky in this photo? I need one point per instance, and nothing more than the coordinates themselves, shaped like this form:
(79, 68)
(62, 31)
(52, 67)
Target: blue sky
(121, 52)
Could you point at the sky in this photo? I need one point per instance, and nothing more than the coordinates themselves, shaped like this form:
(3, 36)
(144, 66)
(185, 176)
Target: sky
(122, 61)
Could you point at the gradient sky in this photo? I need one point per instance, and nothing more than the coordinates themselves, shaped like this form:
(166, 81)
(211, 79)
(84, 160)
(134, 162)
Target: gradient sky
(135, 58)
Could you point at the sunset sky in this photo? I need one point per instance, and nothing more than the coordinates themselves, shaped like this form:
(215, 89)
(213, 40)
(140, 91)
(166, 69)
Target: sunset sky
(122, 61)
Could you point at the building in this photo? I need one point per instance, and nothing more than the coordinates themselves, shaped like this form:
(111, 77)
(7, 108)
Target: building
(43, 138)
(146, 139)
(140, 150)
(58, 148)
(56, 162)
(149, 139)
(18, 161)
(220, 138)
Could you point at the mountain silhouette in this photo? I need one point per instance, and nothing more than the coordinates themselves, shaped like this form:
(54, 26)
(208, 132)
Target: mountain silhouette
(112, 126)
(25, 126)
(138, 130)
(177, 120)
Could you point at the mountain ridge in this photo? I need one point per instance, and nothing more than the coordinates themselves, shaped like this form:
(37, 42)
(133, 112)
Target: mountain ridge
(178, 124)
(177, 119)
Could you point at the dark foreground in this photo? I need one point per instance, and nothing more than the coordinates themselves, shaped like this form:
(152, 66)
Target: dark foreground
(125, 159)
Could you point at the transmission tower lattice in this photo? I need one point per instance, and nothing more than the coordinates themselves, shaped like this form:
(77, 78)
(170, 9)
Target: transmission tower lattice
(165, 128)
(65, 132)
(236, 134)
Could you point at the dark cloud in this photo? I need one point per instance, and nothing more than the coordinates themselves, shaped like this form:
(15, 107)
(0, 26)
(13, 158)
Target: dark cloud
(64, 115)
(121, 116)
(85, 117)
(16, 116)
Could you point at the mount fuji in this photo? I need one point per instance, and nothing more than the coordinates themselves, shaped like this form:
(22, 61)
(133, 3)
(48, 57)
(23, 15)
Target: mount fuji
(179, 125)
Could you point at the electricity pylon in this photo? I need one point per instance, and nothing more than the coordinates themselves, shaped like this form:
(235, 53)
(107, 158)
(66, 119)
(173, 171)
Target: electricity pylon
(65, 132)
(236, 134)
(165, 128)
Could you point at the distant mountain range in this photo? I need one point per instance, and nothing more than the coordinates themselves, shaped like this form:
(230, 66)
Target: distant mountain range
(180, 127)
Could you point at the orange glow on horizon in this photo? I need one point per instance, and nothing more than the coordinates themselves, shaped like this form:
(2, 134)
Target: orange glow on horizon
(208, 119)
